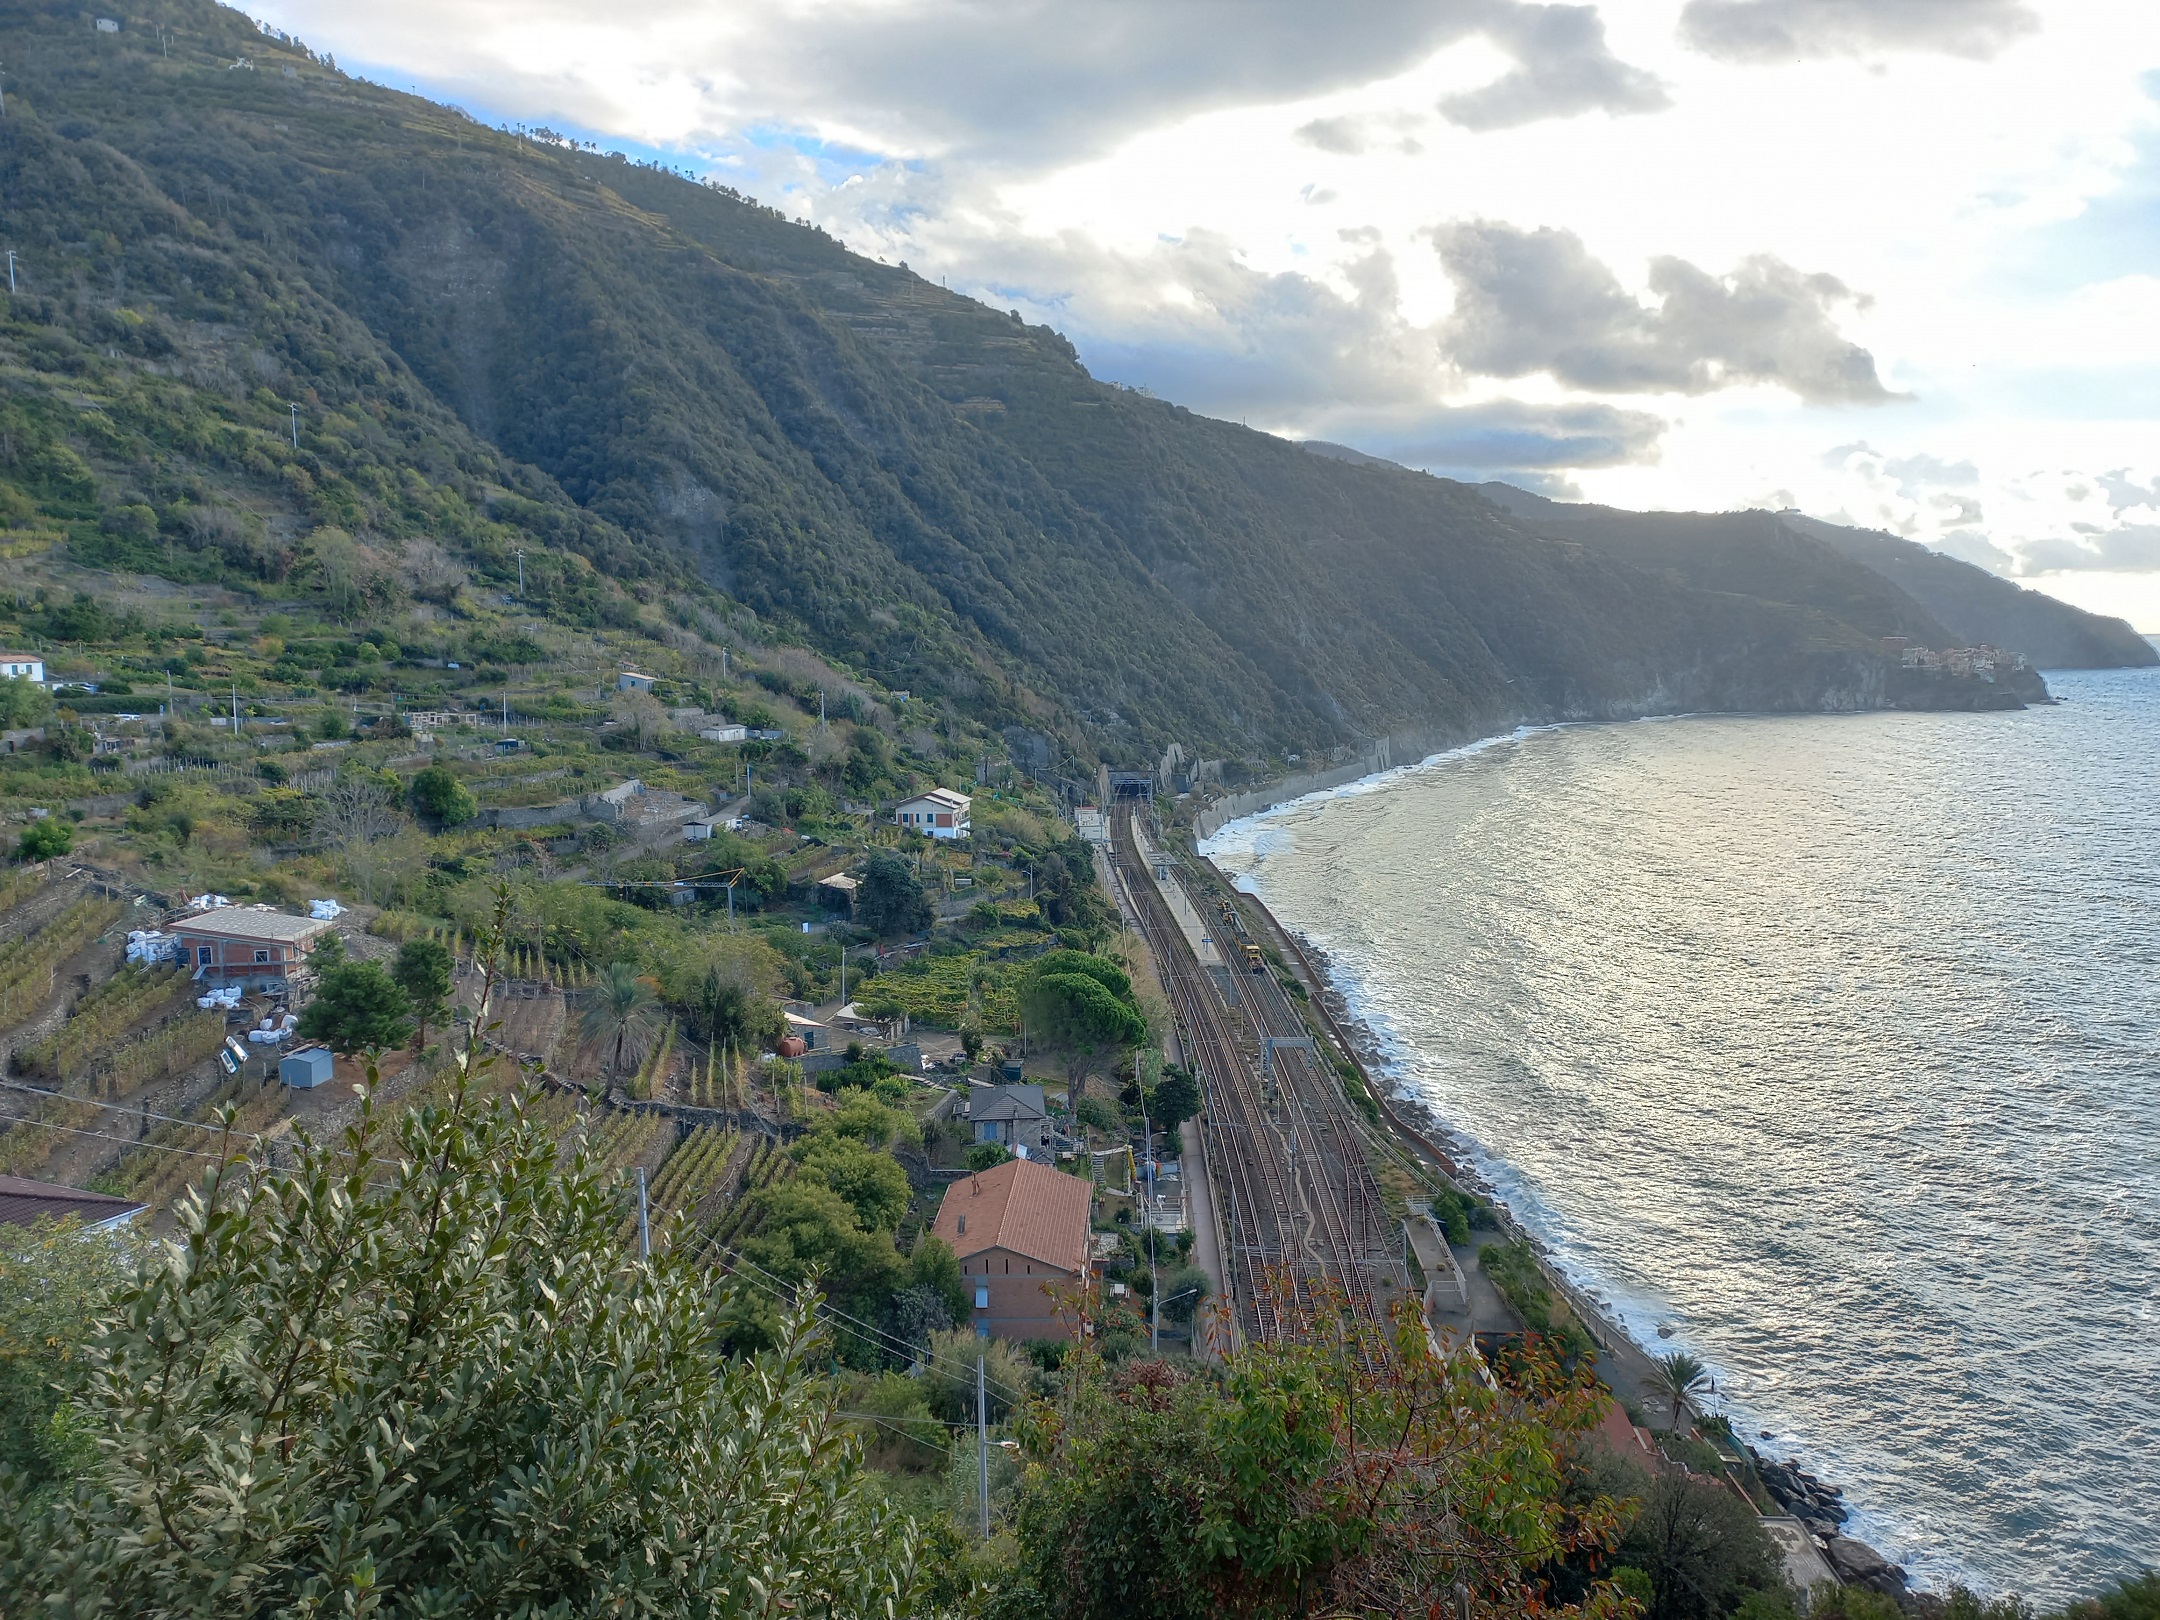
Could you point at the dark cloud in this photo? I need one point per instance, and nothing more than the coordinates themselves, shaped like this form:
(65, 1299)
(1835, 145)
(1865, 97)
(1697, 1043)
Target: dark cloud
(1538, 301)
(1308, 359)
(1765, 31)
(1345, 137)
(1036, 81)
(1507, 435)
(1562, 69)
(1015, 85)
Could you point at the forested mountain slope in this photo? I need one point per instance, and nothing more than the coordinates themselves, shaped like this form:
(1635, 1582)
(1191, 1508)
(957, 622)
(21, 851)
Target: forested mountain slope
(1872, 580)
(1979, 607)
(674, 400)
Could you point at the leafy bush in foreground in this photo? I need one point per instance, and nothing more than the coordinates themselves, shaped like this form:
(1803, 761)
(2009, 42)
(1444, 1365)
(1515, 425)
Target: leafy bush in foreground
(420, 1375)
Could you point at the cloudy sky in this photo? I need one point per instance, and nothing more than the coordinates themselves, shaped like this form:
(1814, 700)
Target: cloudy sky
(1894, 262)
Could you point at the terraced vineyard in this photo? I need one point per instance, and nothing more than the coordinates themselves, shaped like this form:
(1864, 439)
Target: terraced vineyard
(163, 1051)
(174, 1155)
(101, 1018)
(27, 964)
(768, 1163)
(19, 885)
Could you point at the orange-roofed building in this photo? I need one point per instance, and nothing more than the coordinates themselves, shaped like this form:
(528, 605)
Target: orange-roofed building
(1020, 1230)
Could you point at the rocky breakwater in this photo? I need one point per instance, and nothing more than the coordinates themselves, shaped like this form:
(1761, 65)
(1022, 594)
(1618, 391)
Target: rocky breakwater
(1821, 1511)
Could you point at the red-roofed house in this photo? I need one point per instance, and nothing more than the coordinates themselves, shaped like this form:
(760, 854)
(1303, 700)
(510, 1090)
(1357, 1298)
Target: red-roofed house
(1019, 1230)
(24, 1202)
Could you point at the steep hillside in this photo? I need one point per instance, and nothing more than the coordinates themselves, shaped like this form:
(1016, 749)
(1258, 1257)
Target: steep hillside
(1980, 607)
(1874, 581)
(675, 402)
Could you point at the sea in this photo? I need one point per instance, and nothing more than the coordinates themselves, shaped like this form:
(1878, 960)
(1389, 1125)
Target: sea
(1824, 1047)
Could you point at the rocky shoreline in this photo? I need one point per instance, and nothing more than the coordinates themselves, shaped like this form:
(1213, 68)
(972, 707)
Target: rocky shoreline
(1818, 1508)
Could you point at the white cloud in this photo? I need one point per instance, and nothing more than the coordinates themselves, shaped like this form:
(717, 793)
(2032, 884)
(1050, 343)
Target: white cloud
(1456, 230)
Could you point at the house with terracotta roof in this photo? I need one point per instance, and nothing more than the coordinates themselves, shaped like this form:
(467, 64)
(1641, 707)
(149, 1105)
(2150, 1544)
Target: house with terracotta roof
(24, 1203)
(1020, 1231)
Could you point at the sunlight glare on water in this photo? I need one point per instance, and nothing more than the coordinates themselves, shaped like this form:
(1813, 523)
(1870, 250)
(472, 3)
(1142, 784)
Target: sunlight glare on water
(1833, 1044)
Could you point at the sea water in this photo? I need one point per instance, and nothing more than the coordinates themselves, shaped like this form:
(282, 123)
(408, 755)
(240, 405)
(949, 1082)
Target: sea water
(1829, 1046)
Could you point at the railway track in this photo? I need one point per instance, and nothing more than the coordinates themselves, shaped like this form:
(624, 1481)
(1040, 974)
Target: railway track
(1303, 1213)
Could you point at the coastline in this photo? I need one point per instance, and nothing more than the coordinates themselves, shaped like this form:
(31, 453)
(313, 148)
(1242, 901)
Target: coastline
(1629, 1349)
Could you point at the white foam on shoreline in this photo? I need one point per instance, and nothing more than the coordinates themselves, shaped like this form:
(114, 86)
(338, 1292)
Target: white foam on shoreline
(1253, 839)
(1252, 836)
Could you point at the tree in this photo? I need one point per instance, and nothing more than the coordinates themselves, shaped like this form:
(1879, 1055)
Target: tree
(424, 971)
(358, 1007)
(442, 798)
(935, 1269)
(360, 810)
(1679, 1377)
(723, 1004)
(417, 1373)
(1176, 1099)
(1339, 1470)
(873, 1183)
(1083, 1004)
(986, 1155)
(23, 702)
(56, 1280)
(44, 840)
(1700, 1546)
(619, 1012)
(1183, 1292)
(808, 1231)
(890, 898)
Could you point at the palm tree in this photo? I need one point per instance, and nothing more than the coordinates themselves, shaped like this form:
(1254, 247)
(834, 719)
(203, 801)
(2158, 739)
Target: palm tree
(620, 1007)
(1679, 1377)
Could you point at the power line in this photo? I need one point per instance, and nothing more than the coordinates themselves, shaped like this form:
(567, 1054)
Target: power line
(107, 1136)
(120, 1108)
(868, 1335)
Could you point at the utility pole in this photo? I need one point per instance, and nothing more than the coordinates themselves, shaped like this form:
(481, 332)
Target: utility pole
(1147, 1171)
(11, 270)
(644, 1225)
(506, 711)
(521, 573)
(821, 711)
(982, 1447)
(296, 427)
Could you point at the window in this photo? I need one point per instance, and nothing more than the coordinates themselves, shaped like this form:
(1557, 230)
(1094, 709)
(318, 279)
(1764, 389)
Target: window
(262, 956)
(202, 953)
(982, 1330)
(982, 1298)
